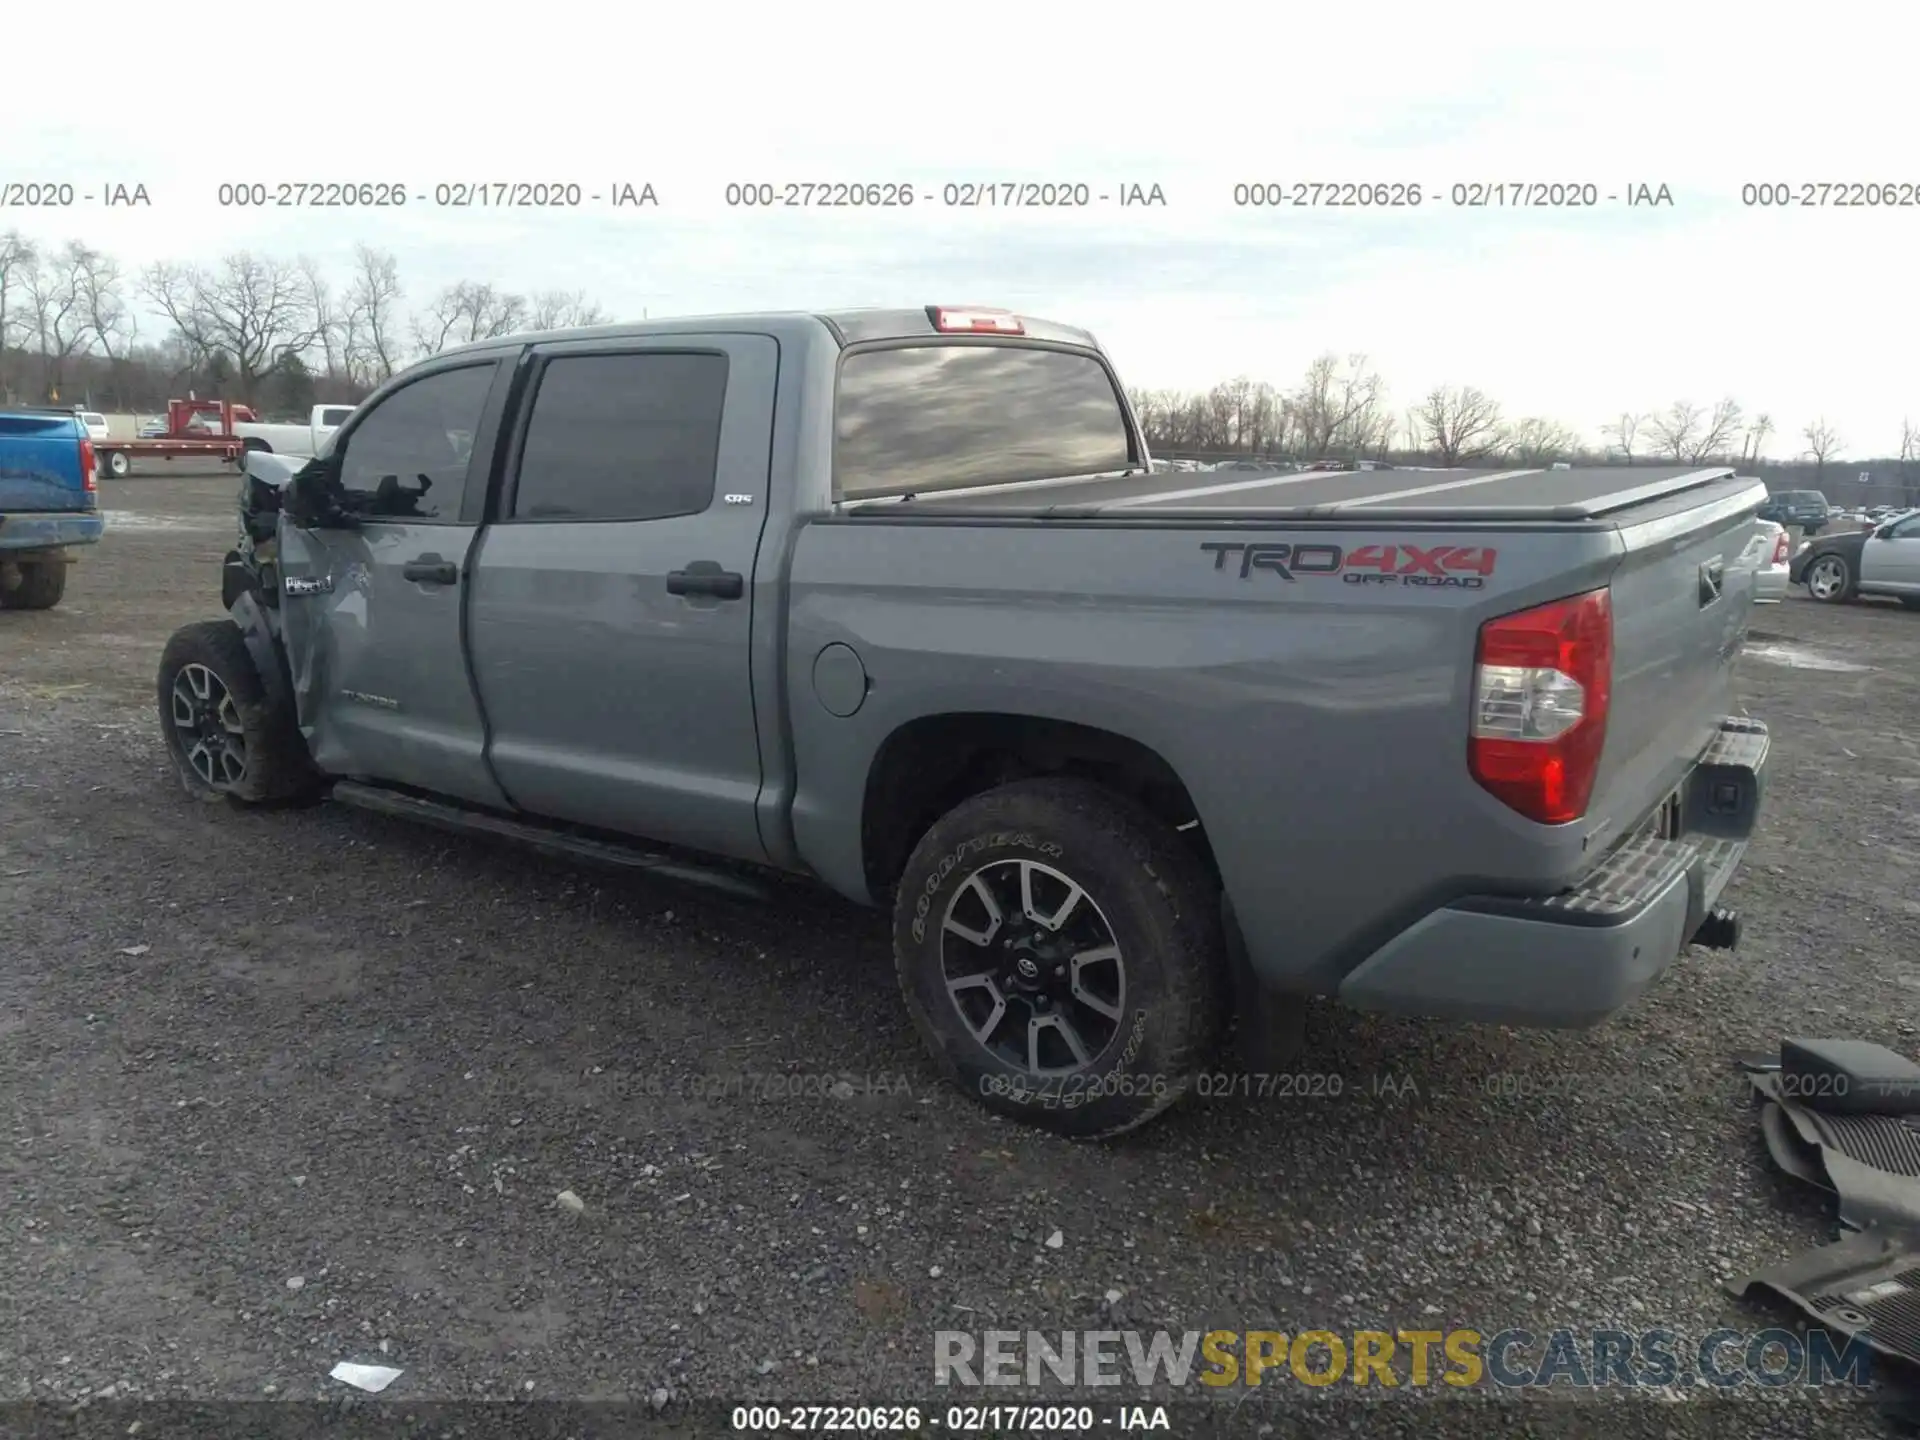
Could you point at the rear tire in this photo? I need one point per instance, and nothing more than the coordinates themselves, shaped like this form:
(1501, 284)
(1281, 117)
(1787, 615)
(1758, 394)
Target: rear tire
(229, 740)
(120, 464)
(40, 586)
(1830, 579)
(1100, 990)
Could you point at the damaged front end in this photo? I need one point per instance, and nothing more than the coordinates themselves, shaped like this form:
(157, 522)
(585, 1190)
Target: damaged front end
(250, 584)
(251, 566)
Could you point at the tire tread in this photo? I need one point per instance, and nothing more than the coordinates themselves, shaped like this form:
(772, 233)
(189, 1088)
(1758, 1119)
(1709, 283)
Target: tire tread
(279, 770)
(1197, 985)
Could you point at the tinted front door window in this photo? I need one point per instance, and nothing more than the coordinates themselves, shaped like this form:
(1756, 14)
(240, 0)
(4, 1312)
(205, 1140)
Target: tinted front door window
(408, 458)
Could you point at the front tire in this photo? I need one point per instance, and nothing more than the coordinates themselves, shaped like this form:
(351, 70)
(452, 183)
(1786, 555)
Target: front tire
(1061, 953)
(228, 739)
(1830, 579)
(39, 586)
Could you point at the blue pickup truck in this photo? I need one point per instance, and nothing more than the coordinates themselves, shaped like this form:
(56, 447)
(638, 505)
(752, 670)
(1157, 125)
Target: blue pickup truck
(49, 502)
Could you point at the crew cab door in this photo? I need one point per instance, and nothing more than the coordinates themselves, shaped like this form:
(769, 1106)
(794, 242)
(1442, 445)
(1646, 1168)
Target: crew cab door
(1892, 562)
(372, 613)
(611, 609)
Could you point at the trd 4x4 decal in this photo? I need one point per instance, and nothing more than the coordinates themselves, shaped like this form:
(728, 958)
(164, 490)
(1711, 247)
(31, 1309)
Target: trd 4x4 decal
(1459, 567)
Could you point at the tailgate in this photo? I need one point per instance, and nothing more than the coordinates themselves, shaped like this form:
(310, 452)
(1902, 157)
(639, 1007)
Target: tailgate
(1682, 599)
(40, 464)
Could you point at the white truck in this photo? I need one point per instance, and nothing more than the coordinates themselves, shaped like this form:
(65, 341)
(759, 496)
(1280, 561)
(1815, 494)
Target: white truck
(299, 440)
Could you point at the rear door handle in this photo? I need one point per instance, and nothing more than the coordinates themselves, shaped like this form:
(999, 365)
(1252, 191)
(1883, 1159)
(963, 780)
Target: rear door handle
(432, 570)
(704, 577)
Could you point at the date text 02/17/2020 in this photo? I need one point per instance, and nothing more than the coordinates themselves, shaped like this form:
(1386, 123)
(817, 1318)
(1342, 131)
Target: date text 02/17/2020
(952, 1419)
(443, 195)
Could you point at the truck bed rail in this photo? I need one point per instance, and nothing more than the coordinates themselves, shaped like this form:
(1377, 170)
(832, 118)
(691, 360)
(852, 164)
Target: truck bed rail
(1566, 496)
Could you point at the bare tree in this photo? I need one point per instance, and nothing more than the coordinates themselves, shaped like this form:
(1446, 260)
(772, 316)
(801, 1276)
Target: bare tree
(107, 314)
(467, 311)
(1625, 432)
(1538, 442)
(256, 312)
(1716, 436)
(102, 295)
(17, 255)
(1910, 462)
(1337, 405)
(1676, 430)
(564, 310)
(60, 327)
(332, 321)
(373, 305)
(1752, 448)
(1456, 424)
(1823, 444)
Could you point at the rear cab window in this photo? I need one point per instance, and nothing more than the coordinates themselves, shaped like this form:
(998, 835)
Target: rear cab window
(631, 436)
(927, 416)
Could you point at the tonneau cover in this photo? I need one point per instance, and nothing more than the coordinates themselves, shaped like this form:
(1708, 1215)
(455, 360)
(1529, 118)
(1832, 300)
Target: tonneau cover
(1564, 495)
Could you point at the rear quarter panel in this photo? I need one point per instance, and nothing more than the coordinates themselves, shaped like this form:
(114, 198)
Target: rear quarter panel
(1318, 723)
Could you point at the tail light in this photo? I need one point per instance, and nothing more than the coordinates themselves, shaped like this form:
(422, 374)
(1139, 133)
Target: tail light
(1780, 549)
(1541, 681)
(90, 477)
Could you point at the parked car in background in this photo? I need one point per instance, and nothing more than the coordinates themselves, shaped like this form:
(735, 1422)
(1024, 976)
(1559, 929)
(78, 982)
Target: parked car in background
(1807, 509)
(96, 424)
(704, 585)
(1770, 554)
(1882, 561)
(153, 428)
(49, 502)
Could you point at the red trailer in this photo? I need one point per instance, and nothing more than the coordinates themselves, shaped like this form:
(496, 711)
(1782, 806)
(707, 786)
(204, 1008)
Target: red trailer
(198, 429)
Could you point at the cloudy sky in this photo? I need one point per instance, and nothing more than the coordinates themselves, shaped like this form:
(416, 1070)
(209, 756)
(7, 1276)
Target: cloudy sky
(1574, 314)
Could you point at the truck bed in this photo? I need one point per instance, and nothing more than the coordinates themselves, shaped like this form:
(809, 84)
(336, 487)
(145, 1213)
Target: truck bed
(1585, 494)
(1281, 692)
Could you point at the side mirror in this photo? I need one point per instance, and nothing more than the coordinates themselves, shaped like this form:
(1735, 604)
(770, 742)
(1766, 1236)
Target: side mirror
(314, 499)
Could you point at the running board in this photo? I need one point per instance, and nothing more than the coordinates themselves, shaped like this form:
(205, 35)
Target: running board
(545, 838)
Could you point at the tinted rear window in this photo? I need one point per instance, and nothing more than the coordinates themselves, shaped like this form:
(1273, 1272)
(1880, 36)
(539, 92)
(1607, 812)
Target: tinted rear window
(623, 437)
(1804, 497)
(940, 417)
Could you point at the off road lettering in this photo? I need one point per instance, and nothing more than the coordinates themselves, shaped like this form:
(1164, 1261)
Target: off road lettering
(1455, 566)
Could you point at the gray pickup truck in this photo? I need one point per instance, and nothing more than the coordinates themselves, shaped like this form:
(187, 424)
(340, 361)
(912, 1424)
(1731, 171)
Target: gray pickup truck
(894, 599)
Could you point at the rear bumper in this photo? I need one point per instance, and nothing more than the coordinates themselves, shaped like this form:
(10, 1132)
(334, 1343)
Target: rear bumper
(1571, 960)
(1770, 584)
(50, 530)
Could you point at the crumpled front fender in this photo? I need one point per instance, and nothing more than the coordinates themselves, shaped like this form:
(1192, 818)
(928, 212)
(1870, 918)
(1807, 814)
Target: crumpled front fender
(259, 627)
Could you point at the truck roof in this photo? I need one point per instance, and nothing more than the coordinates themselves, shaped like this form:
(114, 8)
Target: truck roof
(848, 327)
(1582, 493)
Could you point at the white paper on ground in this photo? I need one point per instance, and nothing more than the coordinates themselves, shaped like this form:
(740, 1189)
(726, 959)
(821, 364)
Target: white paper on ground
(374, 1378)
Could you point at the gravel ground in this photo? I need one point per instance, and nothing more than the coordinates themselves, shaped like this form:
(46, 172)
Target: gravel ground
(286, 1089)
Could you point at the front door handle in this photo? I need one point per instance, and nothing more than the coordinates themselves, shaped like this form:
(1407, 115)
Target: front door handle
(432, 570)
(704, 577)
